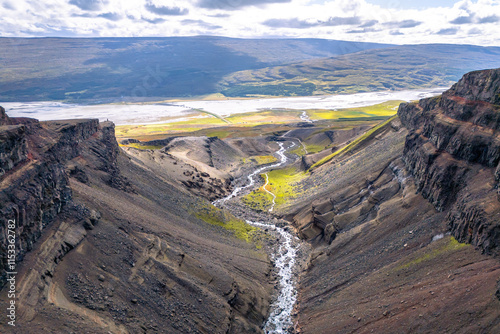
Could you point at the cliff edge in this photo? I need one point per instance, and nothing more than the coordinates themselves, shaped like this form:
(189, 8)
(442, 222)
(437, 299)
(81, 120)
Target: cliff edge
(453, 151)
(405, 231)
(103, 244)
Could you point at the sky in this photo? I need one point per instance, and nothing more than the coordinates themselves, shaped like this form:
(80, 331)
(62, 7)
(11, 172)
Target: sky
(383, 21)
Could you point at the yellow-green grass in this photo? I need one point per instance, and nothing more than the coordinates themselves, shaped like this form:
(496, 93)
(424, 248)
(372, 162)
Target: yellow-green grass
(143, 147)
(265, 117)
(215, 216)
(314, 148)
(263, 159)
(212, 114)
(246, 124)
(299, 150)
(258, 200)
(205, 124)
(388, 108)
(283, 183)
(448, 246)
(193, 124)
(353, 144)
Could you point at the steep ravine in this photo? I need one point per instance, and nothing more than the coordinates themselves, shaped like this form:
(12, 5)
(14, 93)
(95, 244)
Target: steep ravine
(284, 252)
(105, 245)
(377, 265)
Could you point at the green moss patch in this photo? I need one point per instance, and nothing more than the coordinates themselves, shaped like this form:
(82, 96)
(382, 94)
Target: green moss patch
(215, 216)
(283, 183)
(298, 150)
(388, 108)
(143, 147)
(258, 200)
(263, 159)
(449, 246)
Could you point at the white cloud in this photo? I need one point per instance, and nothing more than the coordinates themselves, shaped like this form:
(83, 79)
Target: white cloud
(337, 19)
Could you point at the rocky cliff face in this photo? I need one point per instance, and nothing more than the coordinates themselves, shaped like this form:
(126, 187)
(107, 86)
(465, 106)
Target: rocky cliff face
(104, 244)
(378, 221)
(34, 183)
(453, 151)
(13, 144)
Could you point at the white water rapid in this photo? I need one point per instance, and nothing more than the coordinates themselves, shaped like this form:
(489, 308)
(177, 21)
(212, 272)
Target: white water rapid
(284, 258)
(280, 318)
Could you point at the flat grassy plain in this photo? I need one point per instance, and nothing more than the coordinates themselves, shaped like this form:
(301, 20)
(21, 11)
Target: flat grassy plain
(207, 124)
(388, 108)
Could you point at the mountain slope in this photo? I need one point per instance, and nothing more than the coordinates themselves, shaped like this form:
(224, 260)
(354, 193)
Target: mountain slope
(106, 245)
(398, 67)
(36, 69)
(380, 218)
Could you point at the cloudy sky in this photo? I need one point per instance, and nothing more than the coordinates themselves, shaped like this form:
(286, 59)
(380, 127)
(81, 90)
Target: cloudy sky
(390, 21)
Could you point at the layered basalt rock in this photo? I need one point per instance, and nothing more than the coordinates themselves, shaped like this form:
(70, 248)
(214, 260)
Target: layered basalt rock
(453, 151)
(13, 147)
(34, 181)
(106, 244)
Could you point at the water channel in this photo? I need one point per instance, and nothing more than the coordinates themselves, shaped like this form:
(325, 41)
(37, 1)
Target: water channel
(284, 253)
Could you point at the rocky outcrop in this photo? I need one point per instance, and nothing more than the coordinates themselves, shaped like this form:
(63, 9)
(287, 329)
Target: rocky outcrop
(32, 201)
(70, 135)
(13, 147)
(13, 144)
(4, 119)
(453, 151)
(350, 207)
(140, 261)
(35, 185)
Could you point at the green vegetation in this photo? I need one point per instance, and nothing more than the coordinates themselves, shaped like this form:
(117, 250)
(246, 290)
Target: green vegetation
(212, 114)
(242, 125)
(315, 148)
(192, 124)
(215, 216)
(97, 69)
(89, 69)
(395, 68)
(448, 246)
(388, 108)
(263, 159)
(142, 147)
(258, 200)
(354, 143)
(282, 183)
(299, 150)
(265, 117)
(304, 89)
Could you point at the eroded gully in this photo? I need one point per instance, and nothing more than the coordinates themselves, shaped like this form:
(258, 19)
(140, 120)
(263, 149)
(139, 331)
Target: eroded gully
(285, 250)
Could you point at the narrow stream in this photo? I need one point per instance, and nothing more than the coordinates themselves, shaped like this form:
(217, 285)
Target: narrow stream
(237, 190)
(284, 258)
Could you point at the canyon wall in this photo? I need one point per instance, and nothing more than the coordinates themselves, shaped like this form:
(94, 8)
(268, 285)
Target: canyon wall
(453, 151)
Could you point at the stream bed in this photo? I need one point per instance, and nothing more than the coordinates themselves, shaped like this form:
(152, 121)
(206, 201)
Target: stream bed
(285, 251)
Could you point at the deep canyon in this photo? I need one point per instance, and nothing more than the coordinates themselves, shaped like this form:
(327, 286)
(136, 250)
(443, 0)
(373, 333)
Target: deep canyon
(398, 224)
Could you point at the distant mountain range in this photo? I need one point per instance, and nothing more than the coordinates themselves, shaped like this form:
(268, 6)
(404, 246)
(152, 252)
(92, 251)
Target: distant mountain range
(114, 69)
(393, 68)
